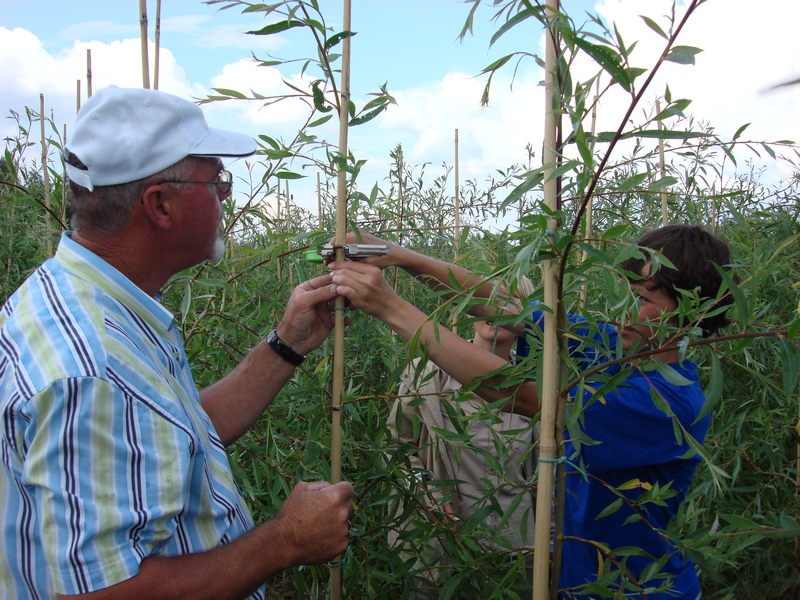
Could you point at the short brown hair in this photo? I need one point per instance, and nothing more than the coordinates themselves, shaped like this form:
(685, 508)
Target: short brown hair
(696, 254)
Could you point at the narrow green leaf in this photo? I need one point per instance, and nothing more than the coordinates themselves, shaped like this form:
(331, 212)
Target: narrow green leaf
(683, 55)
(713, 392)
(790, 360)
(497, 64)
(336, 38)
(610, 509)
(288, 175)
(743, 309)
(654, 26)
(518, 18)
(663, 182)
(277, 27)
(368, 116)
(319, 98)
(607, 58)
(740, 131)
(320, 121)
(232, 93)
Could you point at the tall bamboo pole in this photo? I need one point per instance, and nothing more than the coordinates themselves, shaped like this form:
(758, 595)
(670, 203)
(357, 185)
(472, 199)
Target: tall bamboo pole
(158, 44)
(457, 224)
(46, 182)
(88, 72)
(319, 202)
(77, 95)
(338, 339)
(547, 443)
(401, 216)
(457, 195)
(288, 213)
(664, 213)
(64, 184)
(143, 35)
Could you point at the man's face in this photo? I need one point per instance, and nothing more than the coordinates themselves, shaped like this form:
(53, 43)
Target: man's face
(642, 328)
(206, 209)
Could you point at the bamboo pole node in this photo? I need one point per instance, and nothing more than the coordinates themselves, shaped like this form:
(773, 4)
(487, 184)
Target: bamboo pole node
(88, 72)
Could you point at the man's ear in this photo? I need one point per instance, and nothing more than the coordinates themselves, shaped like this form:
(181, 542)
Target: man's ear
(158, 202)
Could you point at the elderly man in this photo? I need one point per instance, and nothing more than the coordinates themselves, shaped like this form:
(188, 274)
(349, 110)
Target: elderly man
(115, 482)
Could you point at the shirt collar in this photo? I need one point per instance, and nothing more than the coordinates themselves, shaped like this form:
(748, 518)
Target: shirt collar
(85, 264)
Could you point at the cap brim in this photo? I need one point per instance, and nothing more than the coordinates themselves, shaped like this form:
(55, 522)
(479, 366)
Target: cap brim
(220, 142)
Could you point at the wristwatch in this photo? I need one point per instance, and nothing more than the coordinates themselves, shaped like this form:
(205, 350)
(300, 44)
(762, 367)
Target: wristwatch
(282, 350)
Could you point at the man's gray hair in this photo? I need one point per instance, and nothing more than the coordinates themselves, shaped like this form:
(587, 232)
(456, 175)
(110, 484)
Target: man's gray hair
(106, 209)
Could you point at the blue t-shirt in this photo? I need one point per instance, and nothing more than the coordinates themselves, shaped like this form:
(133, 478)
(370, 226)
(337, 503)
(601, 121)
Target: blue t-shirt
(632, 437)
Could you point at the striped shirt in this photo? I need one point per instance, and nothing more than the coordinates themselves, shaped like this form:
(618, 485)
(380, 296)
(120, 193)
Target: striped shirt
(107, 454)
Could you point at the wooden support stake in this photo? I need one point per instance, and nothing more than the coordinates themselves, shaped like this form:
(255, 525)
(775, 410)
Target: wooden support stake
(319, 202)
(338, 332)
(158, 44)
(46, 183)
(548, 450)
(77, 95)
(88, 72)
(457, 221)
(64, 184)
(143, 35)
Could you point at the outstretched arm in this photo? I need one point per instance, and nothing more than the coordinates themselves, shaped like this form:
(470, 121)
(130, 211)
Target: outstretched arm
(368, 291)
(440, 275)
(310, 528)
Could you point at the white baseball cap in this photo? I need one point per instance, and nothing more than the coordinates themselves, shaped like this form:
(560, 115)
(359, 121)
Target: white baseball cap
(122, 135)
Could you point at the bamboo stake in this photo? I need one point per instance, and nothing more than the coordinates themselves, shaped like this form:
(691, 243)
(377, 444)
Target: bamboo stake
(547, 442)
(46, 179)
(457, 227)
(319, 202)
(278, 226)
(288, 212)
(77, 95)
(338, 340)
(664, 214)
(158, 44)
(88, 72)
(143, 34)
(457, 200)
(401, 216)
(64, 183)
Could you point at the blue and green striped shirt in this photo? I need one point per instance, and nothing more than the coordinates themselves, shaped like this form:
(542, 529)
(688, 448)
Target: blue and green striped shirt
(107, 454)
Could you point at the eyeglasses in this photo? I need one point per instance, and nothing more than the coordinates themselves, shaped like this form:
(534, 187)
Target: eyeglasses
(224, 181)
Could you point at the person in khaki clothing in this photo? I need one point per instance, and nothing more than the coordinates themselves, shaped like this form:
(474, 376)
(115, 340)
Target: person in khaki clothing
(413, 424)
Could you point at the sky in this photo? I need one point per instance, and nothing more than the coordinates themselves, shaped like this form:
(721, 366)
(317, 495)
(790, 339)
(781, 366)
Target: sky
(411, 46)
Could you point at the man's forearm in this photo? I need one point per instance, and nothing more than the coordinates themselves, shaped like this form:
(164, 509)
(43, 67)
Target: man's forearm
(237, 400)
(235, 570)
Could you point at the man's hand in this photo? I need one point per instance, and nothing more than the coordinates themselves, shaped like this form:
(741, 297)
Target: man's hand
(314, 521)
(363, 284)
(309, 317)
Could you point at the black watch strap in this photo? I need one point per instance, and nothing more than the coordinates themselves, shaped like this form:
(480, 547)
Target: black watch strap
(282, 350)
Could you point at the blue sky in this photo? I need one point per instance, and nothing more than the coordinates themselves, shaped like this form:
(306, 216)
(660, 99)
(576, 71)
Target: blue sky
(412, 46)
